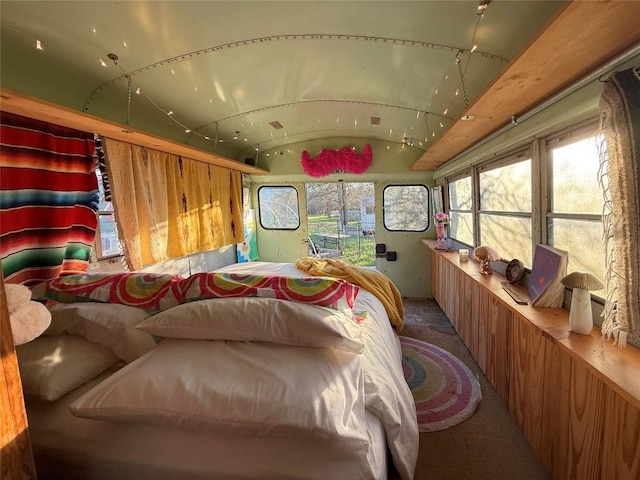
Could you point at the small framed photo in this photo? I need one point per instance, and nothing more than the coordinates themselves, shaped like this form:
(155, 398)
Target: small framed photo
(436, 199)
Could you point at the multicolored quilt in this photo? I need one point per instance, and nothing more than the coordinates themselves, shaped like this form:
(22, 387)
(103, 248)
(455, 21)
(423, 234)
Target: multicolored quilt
(157, 292)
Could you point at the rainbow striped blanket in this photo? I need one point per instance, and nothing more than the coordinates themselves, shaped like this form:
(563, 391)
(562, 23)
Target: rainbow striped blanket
(157, 292)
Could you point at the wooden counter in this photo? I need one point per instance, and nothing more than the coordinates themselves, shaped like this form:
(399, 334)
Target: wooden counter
(575, 397)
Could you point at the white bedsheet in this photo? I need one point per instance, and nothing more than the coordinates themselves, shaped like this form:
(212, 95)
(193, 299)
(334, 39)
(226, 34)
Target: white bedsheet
(66, 445)
(387, 394)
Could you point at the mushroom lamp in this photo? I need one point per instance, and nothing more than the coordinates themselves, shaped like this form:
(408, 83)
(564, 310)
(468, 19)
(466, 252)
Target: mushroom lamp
(580, 317)
(485, 255)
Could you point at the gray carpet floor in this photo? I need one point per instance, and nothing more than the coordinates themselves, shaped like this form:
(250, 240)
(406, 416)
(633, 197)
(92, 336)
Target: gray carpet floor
(488, 445)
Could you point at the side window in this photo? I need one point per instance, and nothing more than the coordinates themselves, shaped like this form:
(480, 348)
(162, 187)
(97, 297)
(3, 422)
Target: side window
(278, 207)
(406, 208)
(461, 210)
(505, 208)
(574, 217)
(106, 242)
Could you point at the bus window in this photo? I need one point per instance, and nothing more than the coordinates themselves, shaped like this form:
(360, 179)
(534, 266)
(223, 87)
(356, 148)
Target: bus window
(278, 208)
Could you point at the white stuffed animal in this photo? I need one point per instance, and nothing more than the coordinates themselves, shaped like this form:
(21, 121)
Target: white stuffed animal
(28, 318)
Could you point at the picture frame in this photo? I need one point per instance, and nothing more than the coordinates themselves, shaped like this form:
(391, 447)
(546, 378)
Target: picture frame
(436, 200)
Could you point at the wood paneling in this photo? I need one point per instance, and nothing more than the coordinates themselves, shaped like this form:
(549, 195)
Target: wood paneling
(30, 107)
(621, 445)
(583, 36)
(575, 398)
(16, 458)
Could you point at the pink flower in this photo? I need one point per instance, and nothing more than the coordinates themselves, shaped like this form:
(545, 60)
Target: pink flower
(441, 217)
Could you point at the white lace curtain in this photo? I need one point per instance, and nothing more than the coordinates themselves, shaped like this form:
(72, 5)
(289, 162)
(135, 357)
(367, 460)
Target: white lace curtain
(620, 180)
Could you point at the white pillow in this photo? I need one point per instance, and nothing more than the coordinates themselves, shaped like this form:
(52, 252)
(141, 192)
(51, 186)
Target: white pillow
(50, 367)
(110, 324)
(244, 388)
(258, 319)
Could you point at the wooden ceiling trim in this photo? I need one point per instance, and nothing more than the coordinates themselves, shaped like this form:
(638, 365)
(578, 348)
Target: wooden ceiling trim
(30, 107)
(583, 36)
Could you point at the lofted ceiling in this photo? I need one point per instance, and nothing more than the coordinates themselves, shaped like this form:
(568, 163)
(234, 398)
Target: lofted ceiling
(246, 78)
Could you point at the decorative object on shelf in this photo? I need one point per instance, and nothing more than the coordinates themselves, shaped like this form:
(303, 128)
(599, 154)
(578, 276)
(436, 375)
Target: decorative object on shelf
(485, 255)
(441, 220)
(580, 316)
(514, 271)
(332, 161)
(463, 255)
(545, 288)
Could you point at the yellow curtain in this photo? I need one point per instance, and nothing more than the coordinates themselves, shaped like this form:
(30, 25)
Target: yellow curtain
(168, 206)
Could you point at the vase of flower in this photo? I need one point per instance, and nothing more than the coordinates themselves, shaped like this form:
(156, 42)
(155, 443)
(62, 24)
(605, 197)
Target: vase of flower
(441, 220)
(440, 234)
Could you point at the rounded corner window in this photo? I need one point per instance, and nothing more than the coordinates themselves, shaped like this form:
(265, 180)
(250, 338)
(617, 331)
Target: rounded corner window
(278, 208)
(406, 208)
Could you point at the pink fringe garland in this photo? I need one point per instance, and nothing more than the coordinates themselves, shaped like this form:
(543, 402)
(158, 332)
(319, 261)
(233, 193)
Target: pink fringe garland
(343, 160)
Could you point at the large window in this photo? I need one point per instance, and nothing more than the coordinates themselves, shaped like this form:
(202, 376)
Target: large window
(574, 217)
(461, 210)
(106, 242)
(406, 208)
(550, 195)
(279, 208)
(505, 207)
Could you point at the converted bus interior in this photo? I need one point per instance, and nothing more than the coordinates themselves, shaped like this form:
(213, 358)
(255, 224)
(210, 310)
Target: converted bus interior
(228, 217)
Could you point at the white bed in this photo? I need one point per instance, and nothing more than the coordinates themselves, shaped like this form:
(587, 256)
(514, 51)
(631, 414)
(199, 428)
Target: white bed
(195, 408)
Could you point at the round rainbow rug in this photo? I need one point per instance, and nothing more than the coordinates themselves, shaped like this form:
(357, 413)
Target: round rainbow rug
(446, 392)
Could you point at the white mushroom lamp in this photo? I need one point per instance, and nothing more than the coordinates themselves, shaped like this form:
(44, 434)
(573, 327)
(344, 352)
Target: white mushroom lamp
(580, 316)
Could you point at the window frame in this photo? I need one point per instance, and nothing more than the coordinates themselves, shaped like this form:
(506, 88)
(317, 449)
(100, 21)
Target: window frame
(275, 187)
(538, 150)
(427, 206)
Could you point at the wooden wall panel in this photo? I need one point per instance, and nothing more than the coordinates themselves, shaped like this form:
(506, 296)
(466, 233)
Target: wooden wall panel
(481, 314)
(499, 324)
(575, 399)
(16, 457)
(587, 406)
(526, 378)
(556, 415)
(621, 444)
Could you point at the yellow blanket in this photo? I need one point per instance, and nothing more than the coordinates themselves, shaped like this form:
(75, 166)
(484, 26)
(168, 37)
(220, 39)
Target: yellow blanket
(371, 280)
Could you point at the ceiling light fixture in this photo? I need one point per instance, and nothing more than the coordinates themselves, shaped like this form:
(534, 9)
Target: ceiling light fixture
(482, 6)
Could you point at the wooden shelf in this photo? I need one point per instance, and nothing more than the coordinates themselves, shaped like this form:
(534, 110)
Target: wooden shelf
(575, 397)
(20, 104)
(618, 368)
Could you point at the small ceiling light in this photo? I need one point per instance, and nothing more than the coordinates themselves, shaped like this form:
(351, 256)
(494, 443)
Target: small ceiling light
(466, 118)
(187, 131)
(473, 49)
(446, 110)
(138, 91)
(482, 6)
(170, 112)
(103, 63)
(39, 45)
